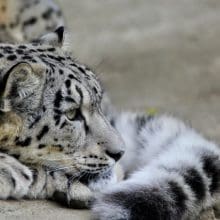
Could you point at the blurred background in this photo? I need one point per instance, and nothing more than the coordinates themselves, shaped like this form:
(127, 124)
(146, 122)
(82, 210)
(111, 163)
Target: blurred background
(153, 54)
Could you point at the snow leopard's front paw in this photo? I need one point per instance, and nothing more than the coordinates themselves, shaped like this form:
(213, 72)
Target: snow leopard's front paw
(15, 178)
(79, 196)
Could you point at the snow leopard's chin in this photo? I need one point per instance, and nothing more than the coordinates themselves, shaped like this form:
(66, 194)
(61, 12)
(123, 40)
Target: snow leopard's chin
(102, 181)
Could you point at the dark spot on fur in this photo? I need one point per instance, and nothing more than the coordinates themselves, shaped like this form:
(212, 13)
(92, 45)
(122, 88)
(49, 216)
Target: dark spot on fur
(178, 196)
(112, 122)
(23, 143)
(69, 92)
(51, 49)
(43, 132)
(30, 21)
(47, 14)
(32, 51)
(25, 175)
(19, 51)
(26, 57)
(40, 146)
(69, 99)
(81, 69)
(58, 99)
(59, 59)
(68, 83)
(101, 165)
(8, 48)
(141, 121)
(71, 76)
(196, 183)
(22, 47)
(36, 120)
(143, 204)
(57, 111)
(52, 174)
(63, 125)
(211, 167)
(91, 165)
(41, 50)
(61, 71)
(57, 119)
(11, 57)
(95, 90)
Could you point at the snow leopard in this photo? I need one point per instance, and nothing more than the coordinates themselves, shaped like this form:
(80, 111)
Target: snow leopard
(60, 140)
(54, 138)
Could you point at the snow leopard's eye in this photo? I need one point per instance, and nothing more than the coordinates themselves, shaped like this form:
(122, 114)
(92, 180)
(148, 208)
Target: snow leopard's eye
(71, 114)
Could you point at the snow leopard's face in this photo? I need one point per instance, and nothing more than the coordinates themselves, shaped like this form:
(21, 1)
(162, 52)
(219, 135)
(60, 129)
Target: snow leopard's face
(52, 105)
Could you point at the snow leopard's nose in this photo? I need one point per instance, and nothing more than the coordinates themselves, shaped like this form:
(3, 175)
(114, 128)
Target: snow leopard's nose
(115, 155)
(107, 137)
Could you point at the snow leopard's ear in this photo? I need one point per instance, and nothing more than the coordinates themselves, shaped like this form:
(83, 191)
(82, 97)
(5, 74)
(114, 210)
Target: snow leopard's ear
(55, 39)
(21, 87)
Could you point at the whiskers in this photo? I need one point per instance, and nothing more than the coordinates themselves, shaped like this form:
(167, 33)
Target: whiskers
(74, 167)
(60, 158)
(50, 170)
(76, 176)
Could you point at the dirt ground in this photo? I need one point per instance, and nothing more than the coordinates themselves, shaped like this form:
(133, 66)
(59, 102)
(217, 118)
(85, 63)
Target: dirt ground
(149, 54)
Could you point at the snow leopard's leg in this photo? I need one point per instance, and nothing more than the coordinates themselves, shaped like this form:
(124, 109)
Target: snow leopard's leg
(60, 187)
(18, 181)
(15, 178)
(74, 194)
(174, 188)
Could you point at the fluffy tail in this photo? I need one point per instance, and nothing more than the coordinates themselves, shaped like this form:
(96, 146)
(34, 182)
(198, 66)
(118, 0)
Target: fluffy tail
(180, 174)
(163, 193)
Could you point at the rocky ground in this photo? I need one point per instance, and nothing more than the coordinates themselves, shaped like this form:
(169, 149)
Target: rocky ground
(150, 54)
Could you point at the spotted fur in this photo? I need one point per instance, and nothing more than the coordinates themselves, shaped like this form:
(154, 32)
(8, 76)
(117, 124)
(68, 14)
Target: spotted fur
(56, 143)
(26, 20)
(51, 121)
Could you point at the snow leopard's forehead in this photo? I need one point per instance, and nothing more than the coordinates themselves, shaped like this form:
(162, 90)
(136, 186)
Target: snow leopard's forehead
(60, 69)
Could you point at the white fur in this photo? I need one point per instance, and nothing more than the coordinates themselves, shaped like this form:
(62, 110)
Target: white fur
(163, 142)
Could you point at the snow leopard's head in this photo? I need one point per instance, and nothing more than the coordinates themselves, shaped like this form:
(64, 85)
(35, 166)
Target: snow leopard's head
(50, 111)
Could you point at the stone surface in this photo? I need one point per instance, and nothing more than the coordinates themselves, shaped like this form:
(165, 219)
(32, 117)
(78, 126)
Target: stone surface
(207, 215)
(160, 54)
(25, 210)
